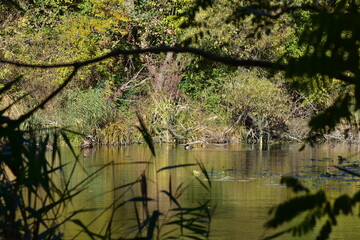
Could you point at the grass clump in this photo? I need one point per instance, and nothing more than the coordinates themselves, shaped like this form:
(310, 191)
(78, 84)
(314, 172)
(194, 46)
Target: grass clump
(82, 111)
(177, 120)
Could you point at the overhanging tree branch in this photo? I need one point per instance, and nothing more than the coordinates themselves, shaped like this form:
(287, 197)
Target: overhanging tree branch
(25, 116)
(176, 49)
(281, 10)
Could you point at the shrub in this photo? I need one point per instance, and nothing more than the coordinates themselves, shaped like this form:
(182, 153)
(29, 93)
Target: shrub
(259, 104)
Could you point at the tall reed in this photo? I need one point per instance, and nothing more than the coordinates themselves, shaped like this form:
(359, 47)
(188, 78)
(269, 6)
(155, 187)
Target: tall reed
(35, 190)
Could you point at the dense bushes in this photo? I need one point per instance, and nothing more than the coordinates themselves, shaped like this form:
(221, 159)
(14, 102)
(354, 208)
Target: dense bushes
(260, 105)
(184, 97)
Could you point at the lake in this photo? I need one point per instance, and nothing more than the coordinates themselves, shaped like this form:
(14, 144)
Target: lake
(245, 185)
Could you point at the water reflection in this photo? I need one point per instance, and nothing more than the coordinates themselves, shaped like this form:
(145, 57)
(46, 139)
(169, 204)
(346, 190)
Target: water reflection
(245, 184)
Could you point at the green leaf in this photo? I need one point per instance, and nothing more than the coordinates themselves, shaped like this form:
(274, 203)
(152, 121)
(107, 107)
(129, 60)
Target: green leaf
(294, 207)
(343, 204)
(152, 224)
(172, 198)
(325, 231)
(140, 199)
(176, 166)
(146, 135)
(326, 121)
(294, 184)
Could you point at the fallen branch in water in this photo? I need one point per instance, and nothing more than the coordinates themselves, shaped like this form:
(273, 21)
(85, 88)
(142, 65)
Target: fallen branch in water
(348, 171)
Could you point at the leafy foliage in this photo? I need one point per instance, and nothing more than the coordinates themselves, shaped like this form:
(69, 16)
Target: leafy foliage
(258, 104)
(331, 52)
(317, 42)
(313, 208)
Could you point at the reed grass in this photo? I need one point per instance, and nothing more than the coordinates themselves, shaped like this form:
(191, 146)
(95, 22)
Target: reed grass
(82, 111)
(35, 190)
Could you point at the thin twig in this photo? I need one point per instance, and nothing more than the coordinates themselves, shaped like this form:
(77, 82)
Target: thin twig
(124, 86)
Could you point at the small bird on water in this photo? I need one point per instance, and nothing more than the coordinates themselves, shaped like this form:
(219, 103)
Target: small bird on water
(341, 159)
(88, 142)
(188, 147)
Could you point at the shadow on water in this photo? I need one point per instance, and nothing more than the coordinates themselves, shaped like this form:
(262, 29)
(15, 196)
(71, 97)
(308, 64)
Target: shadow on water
(245, 183)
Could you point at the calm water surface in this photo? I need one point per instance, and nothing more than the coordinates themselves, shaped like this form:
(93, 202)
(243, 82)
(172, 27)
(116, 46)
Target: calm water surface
(245, 184)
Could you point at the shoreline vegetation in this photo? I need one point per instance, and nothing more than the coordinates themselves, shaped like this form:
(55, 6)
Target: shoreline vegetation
(184, 120)
(89, 112)
(182, 97)
(170, 122)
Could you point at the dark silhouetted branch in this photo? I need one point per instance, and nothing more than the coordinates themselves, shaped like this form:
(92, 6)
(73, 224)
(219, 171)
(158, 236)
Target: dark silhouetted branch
(25, 116)
(176, 49)
(281, 10)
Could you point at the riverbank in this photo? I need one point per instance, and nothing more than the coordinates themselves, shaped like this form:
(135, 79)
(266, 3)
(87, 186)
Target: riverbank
(91, 112)
(113, 121)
